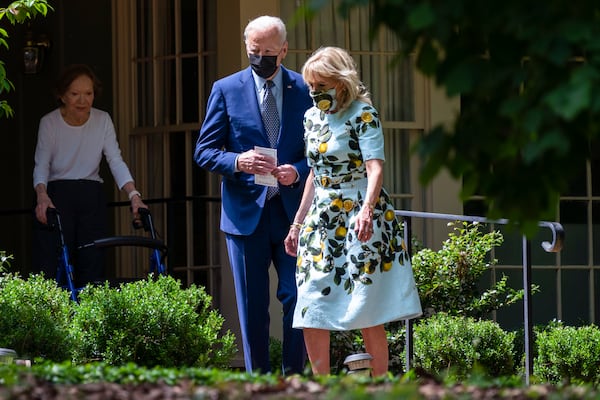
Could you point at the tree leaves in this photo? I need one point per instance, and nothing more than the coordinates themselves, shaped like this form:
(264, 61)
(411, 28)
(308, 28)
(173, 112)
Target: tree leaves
(527, 74)
(422, 16)
(573, 96)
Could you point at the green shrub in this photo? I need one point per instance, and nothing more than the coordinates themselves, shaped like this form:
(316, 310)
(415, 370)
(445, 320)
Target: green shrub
(150, 322)
(447, 279)
(568, 354)
(35, 316)
(454, 347)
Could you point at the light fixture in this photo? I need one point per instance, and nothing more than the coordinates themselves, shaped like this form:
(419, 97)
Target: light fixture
(34, 52)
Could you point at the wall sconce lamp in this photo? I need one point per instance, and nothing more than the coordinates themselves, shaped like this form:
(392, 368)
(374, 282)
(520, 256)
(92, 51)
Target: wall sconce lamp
(34, 52)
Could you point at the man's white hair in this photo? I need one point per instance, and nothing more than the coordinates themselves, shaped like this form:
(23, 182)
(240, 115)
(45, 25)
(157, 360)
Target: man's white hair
(264, 23)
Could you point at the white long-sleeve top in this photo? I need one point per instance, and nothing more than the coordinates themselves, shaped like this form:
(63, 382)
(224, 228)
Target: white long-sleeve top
(75, 152)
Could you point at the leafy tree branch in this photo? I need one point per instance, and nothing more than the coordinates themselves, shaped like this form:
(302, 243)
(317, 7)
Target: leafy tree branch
(16, 12)
(527, 73)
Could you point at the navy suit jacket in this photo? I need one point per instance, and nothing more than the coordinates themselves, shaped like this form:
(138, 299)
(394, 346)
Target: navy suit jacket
(233, 125)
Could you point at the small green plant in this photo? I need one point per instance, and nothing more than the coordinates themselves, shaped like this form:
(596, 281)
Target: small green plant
(396, 345)
(4, 261)
(35, 316)
(276, 354)
(454, 347)
(150, 322)
(567, 354)
(447, 279)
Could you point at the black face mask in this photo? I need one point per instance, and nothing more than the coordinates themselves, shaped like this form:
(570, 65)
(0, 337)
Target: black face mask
(264, 66)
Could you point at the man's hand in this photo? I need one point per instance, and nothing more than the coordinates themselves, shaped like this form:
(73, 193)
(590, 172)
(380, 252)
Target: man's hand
(286, 174)
(252, 162)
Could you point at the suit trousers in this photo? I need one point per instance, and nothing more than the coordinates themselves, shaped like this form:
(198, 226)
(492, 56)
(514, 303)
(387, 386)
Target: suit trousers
(250, 257)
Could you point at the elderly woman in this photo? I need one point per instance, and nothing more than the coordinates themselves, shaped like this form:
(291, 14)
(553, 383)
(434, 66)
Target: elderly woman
(71, 142)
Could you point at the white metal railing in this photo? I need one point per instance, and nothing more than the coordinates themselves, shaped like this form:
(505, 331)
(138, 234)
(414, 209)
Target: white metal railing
(555, 245)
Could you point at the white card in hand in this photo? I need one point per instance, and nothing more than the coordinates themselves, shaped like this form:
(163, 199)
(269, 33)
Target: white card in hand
(266, 180)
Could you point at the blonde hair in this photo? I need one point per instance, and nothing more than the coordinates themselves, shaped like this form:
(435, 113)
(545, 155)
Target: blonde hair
(264, 23)
(334, 63)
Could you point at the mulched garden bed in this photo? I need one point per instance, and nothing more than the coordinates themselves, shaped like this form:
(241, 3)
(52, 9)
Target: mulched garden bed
(293, 388)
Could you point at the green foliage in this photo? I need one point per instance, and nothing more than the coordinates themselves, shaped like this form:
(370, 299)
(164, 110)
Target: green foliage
(20, 11)
(79, 381)
(67, 373)
(528, 75)
(455, 347)
(276, 354)
(150, 322)
(396, 344)
(5, 86)
(35, 316)
(567, 354)
(4, 261)
(16, 12)
(447, 279)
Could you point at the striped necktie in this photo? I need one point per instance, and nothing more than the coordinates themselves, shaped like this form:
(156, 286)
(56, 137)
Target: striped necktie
(270, 118)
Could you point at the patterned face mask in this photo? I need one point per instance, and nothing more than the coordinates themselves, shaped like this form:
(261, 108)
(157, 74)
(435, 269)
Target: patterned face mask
(325, 100)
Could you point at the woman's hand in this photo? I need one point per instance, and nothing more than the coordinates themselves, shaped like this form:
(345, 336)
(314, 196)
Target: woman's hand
(43, 203)
(136, 204)
(364, 223)
(364, 220)
(135, 198)
(291, 240)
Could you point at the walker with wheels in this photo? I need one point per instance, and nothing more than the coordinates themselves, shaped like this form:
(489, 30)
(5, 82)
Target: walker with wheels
(65, 271)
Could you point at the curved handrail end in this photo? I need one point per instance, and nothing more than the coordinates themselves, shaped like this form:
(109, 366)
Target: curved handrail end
(558, 237)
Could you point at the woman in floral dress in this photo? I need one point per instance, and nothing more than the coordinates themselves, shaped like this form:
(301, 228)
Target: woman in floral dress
(353, 270)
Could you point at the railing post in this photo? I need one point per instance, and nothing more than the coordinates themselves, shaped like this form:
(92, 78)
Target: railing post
(408, 344)
(527, 323)
(408, 323)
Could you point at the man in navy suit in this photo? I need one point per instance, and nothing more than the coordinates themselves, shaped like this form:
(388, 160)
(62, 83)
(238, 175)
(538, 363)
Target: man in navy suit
(256, 222)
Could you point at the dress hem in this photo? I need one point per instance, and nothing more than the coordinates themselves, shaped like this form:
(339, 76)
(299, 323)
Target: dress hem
(355, 327)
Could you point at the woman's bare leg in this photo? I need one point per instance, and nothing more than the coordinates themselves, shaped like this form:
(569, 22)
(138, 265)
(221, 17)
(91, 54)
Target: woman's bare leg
(317, 347)
(377, 346)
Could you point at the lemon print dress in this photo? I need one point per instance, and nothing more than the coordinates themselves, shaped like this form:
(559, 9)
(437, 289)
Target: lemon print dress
(344, 283)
